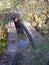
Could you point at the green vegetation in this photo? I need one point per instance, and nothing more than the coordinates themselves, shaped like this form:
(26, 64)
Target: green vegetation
(3, 37)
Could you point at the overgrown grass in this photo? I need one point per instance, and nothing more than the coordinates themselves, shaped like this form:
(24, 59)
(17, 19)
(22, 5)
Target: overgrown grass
(3, 37)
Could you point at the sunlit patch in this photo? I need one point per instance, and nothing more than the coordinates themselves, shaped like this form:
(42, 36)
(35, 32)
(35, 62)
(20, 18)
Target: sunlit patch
(11, 50)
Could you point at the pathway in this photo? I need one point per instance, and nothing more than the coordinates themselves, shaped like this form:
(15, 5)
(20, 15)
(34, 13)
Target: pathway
(11, 50)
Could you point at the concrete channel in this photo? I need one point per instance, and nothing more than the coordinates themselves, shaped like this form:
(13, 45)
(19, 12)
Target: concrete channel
(33, 35)
(15, 44)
